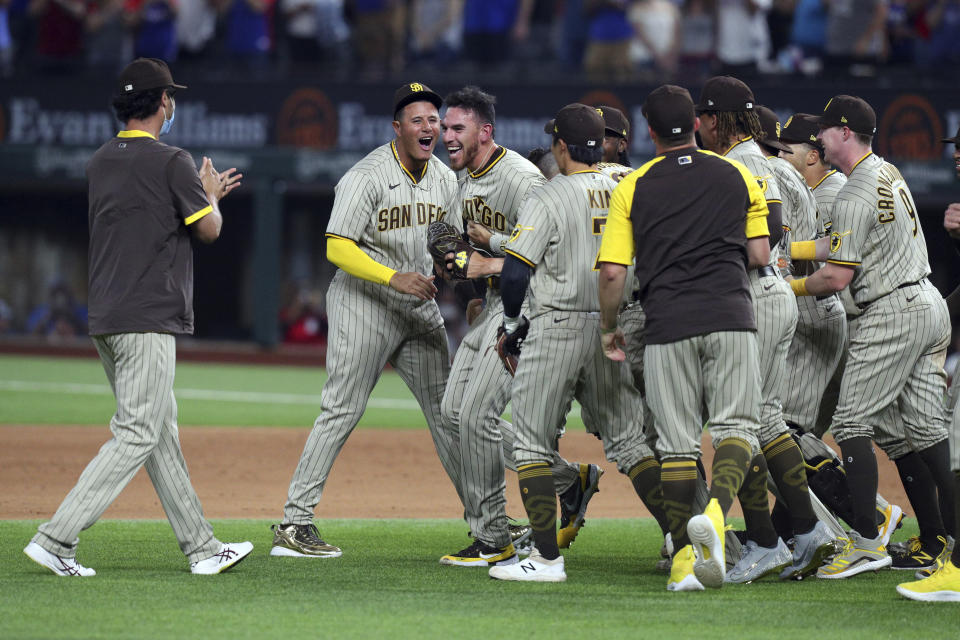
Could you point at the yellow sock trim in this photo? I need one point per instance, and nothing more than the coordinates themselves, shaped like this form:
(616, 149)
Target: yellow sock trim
(736, 442)
(534, 470)
(643, 465)
(778, 445)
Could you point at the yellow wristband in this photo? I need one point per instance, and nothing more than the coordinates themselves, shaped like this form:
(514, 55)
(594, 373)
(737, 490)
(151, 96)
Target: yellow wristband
(805, 250)
(799, 286)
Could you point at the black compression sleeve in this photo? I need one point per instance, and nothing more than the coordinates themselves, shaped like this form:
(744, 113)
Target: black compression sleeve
(775, 223)
(514, 279)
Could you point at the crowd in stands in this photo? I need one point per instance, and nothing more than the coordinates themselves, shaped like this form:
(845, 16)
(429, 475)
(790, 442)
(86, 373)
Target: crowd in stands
(608, 40)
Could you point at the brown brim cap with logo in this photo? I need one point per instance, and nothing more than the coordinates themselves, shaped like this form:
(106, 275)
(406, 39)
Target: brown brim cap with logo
(770, 124)
(955, 139)
(669, 111)
(144, 74)
(851, 112)
(614, 121)
(577, 124)
(725, 93)
(414, 92)
(801, 128)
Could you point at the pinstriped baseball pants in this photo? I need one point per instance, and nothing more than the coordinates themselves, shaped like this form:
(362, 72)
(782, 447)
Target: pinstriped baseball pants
(140, 368)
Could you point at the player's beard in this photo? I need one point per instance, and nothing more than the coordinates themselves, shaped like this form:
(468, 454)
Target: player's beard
(468, 154)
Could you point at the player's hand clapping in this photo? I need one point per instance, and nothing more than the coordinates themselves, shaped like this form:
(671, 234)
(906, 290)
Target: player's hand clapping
(218, 184)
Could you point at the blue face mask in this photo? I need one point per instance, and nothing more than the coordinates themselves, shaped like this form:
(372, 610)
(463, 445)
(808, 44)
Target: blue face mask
(167, 124)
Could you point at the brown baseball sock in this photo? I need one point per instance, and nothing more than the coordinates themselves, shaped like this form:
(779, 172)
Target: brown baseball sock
(756, 504)
(937, 459)
(730, 461)
(540, 501)
(860, 465)
(921, 491)
(678, 480)
(645, 476)
(785, 462)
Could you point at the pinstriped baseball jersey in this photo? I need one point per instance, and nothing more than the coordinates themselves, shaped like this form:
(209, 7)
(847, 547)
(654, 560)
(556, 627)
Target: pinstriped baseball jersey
(875, 227)
(491, 196)
(748, 152)
(826, 192)
(386, 210)
(549, 236)
(613, 170)
(799, 210)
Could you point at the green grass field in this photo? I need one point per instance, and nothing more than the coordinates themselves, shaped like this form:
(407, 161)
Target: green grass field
(388, 584)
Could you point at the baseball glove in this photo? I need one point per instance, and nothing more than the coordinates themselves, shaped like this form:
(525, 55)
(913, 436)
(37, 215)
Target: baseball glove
(442, 240)
(510, 343)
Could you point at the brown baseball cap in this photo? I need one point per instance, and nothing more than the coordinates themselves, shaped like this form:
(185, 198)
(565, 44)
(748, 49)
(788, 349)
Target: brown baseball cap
(577, 124)
(725, 93)
(851, 112)
(144, 74)
(770, 123)
(801, 128)
(614, 121)
(414, 92)
(669, 110)
(955, 139)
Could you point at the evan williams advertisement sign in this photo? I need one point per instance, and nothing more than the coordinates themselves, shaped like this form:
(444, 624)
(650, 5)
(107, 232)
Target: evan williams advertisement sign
(76, 111)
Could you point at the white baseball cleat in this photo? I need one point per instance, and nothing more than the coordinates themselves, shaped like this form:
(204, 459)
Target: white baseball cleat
(58, 564)
(536, 568)
(230, 555)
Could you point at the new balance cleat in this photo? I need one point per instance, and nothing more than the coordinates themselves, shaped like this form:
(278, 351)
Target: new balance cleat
(810, 550)
(536, 568)
(682, 577)
(301, 541)
(892, 517)
(942, 559)
(706, 532)
(859, 555)
(479, 554)
(229, 556)
(942, 586)
(58, 564)
(573, 503)
(757, 562)
(921, 554)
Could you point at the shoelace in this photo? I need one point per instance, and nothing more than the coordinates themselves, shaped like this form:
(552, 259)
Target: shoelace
(70, 569)
(225, 554)
(915, 544)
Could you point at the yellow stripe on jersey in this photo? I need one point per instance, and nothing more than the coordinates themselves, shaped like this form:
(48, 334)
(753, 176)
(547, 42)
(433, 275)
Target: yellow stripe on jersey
(819, 182)
(199, 214)
(346, 254)
(843, 262)
(617, 243)
(584, 171)
(757, 211)
(393, 147)
(738, 142)
(490, 164)
(857, 163)
(520, 257)
(135, 133)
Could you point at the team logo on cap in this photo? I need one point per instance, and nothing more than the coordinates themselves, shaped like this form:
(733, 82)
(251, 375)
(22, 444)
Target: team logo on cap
(600, 111)
(843, 119)
(416, 86)
(778, 129)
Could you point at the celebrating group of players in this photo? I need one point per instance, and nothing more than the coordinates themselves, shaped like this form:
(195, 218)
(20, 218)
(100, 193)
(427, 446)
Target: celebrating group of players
(745, 283)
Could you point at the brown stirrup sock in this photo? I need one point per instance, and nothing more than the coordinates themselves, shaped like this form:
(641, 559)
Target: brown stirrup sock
(785, 463)
(678, 479)
(921, 491)
(937, 459)
(860, 465)
(540, 501)
(645, 476)
(730, 463)
(756, 505)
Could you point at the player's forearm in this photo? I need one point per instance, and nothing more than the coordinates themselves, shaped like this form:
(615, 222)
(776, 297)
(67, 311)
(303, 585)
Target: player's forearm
(611, 281)
(830, 279)
(497, 243)
(514, 280)
(348, 256)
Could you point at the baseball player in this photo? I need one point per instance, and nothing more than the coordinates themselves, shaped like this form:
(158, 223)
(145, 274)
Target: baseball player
(731, 128)
(495, 181)
(693, 220)
(616, 136)
(941, 583)
(898, 344)
(552, 252)
(146, 202)
(381, 305)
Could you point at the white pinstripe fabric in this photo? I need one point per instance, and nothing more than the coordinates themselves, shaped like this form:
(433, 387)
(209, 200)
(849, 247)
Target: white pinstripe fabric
(952, 419)
(140, 368)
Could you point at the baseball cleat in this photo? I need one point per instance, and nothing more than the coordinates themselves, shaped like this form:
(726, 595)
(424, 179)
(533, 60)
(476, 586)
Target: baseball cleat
(521, 535)
(942, 586)
(479, 554)
(706, 532)
(942, 559)
(757, 562)
(665, 562)
(536, 568)
(301, 541)
(573, 503)
(859, 554)
(810, 550)
(682, 577)
(920, 554)
(892, 517)
(229, 555)
(58, 564)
